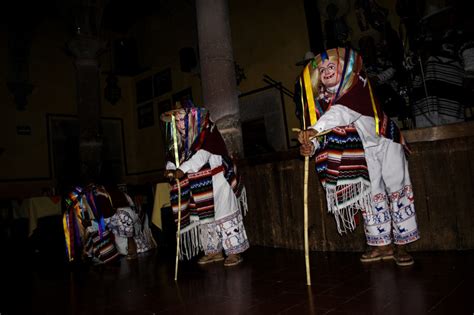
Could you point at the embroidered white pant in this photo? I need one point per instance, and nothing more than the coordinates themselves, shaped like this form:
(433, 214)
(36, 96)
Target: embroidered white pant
(227, 233)
(393, 210)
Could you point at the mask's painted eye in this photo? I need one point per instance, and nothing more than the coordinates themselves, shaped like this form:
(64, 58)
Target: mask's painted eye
(332, 67)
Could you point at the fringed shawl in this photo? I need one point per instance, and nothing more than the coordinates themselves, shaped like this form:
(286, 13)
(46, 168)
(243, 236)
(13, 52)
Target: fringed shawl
(342, 171)
(197, 200)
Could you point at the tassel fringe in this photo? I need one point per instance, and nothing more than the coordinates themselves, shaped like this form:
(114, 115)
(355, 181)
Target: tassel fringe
(190, 243)
(242, 201)
(344, 201)
(194, 238)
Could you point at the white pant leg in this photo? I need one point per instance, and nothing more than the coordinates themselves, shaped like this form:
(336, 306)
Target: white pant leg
(398, 185)
(212, 242)
(228, 231)
(225, 201)
(234, 237)
(378, 223)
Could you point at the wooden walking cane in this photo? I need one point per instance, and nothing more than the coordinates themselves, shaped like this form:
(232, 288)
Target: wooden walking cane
(305, 206)
(178, 231)
(305, 213)
(306, 238)
(311, 110)
(176, 158)
(305, 185)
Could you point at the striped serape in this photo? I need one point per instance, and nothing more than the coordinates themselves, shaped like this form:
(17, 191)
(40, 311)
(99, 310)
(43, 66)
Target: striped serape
(342, 170)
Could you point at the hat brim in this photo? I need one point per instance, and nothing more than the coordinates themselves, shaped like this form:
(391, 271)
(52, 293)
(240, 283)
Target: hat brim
(303, 62)
(434, 13)
(167, 116)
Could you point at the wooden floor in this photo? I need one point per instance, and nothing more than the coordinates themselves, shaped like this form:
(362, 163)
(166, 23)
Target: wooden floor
(270, 281)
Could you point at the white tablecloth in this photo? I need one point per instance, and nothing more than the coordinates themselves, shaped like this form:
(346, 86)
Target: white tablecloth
(162, 199)
(37, 207)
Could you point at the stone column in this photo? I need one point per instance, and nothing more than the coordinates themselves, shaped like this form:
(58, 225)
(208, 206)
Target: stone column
(86, 50)
(219, 86)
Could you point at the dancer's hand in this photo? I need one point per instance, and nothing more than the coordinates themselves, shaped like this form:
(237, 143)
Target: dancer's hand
(305, 136)
(178, 174)
(173, 174)
(307, 149)
(169, 174)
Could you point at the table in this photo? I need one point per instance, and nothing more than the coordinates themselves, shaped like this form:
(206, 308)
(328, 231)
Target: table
(36, 208)
(162, 199)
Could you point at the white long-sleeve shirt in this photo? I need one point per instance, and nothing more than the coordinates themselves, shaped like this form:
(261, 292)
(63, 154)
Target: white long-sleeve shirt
(225, 201)
(197, 161)
(340, 115)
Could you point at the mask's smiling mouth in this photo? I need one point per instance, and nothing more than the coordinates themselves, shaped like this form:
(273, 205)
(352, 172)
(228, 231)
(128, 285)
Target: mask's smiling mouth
(327, 77)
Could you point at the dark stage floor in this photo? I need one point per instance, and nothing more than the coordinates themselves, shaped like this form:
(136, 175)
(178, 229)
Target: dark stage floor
(270, 281)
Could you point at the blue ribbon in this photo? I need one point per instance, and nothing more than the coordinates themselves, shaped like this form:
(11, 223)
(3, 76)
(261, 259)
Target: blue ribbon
(199, 121)
(348, 65)
(324, 55)
(186, 126)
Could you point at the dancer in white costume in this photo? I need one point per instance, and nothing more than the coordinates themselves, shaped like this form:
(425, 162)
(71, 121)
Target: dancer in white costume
(212, 199)
(346, 96)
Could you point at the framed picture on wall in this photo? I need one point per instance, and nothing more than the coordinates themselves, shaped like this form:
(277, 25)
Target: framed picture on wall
(145, 117)
(63, 143)
(162, 82)
(183, 95)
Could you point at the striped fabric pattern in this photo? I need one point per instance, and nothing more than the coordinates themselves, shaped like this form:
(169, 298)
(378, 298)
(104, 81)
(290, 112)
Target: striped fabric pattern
(185, 201)
(101, 248)
(444, 88)
(341, 158)
(197, 199)
(342, 171)
(201, 187)
(390, 130)
(231, 176)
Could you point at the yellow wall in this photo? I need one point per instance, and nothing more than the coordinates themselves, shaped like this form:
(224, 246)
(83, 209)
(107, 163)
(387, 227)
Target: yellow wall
(159, 39)
(123, 110)
(53, 74)
(269, 37)
(272, 45)
(52, 93)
